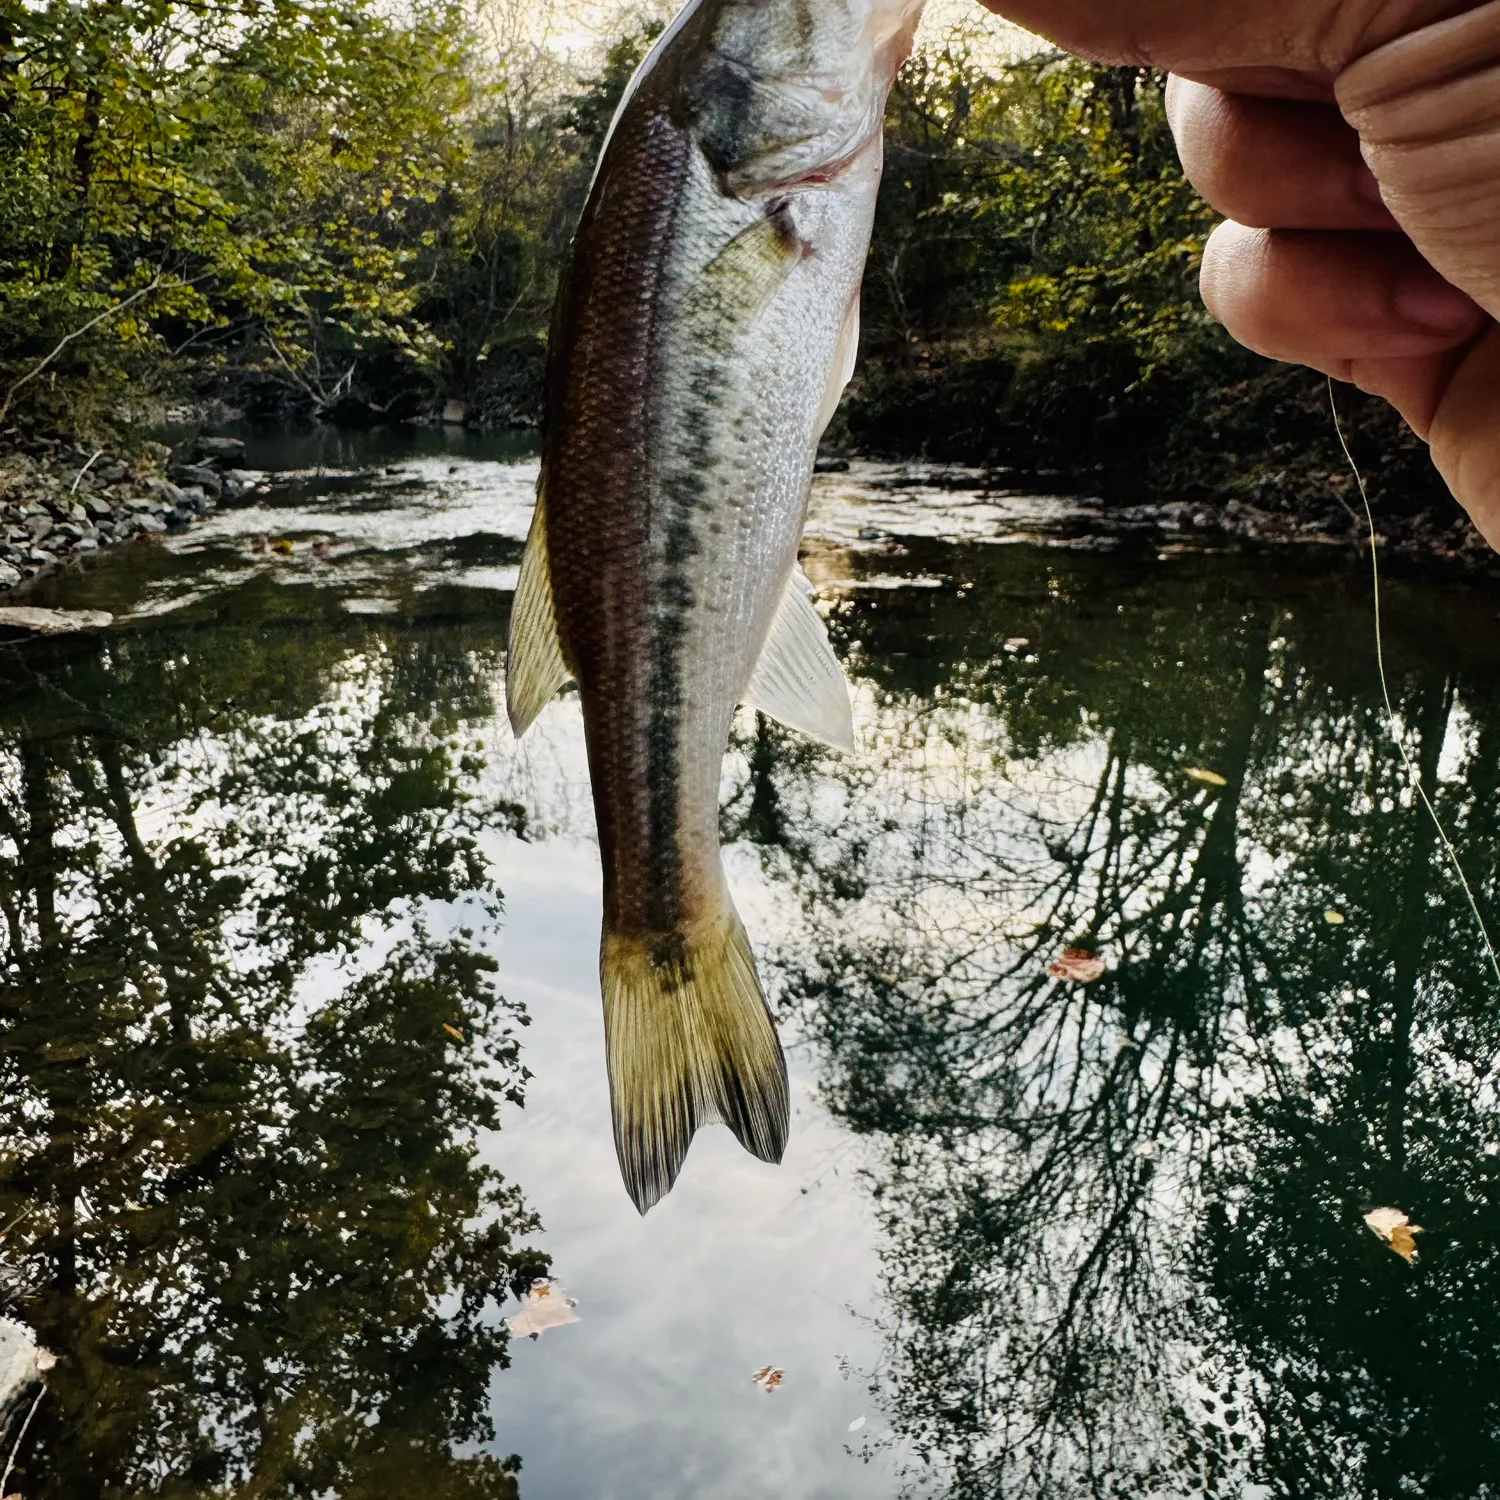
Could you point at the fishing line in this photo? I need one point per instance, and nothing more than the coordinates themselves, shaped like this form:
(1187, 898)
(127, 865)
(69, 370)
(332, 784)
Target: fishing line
(1413, 771)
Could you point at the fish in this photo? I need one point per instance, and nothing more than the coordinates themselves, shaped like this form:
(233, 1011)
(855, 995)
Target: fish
(705, 329)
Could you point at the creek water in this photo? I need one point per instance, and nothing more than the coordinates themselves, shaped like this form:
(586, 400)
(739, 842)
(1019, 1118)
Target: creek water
(302, 1056)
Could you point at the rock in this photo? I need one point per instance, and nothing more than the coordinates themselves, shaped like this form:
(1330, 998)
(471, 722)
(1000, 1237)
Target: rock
(39, 528)
(201, 475)
(98, 510)
(71, 531)
(454, 414)
(9, 576)
(225, 448)
(144, 521)
(236, 482)
(182, 515)
(166, 492)
(53, 621)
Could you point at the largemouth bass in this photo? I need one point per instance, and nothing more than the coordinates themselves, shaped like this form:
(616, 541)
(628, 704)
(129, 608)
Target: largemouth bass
(705, 330)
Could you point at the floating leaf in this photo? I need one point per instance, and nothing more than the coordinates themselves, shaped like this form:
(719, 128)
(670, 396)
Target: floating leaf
(1334, 918)
(769, 1378)
(1016, 643)
(856, 1424)
(1079, 965)
(542, 1308)
(284, 547)
(1208, 778)
(454, 1032)
(1396, 1230)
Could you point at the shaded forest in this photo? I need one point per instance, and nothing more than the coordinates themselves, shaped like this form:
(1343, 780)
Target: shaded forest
(330, 209)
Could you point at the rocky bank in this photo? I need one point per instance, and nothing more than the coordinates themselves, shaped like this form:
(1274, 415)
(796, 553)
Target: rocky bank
(60, 500)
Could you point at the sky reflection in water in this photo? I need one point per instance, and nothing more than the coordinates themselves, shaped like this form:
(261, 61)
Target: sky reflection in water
(1049, 1239)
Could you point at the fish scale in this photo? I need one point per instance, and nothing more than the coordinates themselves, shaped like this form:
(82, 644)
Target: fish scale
(704, 330)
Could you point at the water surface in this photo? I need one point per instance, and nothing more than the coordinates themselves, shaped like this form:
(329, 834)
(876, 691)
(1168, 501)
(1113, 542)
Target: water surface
(300, 1035)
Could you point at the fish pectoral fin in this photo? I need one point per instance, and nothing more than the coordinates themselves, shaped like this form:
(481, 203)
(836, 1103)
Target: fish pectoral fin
(798, 680)
(688, 1040)
(534, 664)
(846, 356)
(742, 280)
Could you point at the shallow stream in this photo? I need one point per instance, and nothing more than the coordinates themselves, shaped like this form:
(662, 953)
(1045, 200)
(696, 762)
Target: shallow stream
(302, 1056)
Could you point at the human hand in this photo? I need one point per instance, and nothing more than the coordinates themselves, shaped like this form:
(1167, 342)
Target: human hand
(1352, 146)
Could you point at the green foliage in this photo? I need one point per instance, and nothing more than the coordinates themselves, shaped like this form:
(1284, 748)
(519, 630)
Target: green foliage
(1045, 201)
(268, 167)
(334, 205)
(1032, 299)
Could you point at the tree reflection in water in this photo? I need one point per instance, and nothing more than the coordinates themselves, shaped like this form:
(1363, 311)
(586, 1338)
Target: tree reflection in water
(238, 1185)
(1124, 1250)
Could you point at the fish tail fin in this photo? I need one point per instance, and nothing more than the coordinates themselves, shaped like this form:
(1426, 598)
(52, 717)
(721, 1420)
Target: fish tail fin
(689, 1040)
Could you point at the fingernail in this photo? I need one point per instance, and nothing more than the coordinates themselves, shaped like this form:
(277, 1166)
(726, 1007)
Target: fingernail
(1426, 300)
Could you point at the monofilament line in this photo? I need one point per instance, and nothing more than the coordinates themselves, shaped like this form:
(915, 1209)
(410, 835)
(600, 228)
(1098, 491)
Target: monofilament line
(1413, 771)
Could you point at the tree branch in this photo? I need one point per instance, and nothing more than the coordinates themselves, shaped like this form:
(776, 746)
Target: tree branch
(68, 338)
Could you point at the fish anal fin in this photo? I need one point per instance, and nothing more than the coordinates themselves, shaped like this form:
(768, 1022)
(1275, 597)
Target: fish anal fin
(846, 356)
(534, 664)
(689, 1041)
(798, 680)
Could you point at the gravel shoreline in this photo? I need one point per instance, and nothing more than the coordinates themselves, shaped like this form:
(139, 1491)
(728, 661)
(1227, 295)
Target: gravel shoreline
(59, 500)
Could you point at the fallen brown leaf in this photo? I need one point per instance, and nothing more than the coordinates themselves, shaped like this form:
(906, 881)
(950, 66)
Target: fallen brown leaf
(1079, 965)
(454, 1032)
(1334, 918)
(1208, 778)
(769, 1378)
(1396, 1230)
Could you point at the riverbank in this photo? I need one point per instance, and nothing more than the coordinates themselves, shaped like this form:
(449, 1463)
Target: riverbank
(61, 500)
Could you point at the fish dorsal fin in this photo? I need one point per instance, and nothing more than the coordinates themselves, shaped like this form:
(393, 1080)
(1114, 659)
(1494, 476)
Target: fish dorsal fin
(534, 665)
(798, 680)
(846, 356)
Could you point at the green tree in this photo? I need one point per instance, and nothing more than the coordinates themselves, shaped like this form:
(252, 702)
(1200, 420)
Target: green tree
(269, 169)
